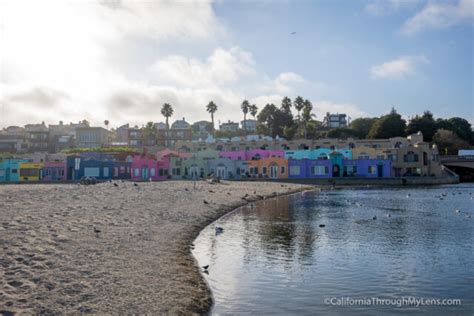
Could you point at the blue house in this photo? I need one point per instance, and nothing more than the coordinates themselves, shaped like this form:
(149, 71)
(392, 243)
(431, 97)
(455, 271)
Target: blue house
(309, 168)
(80, 166)
(10, 170)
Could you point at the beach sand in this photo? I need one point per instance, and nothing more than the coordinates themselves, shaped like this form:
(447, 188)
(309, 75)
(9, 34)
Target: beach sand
(105, 249)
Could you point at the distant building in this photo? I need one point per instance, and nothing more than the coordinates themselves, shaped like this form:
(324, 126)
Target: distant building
(201, 129)
(92, 137)
(121, 134)
(13, 139)
(160, 125)
(135, 138)
(38, 137)
(180, 131)
(335, 120)
(229, 126)
(249, 125)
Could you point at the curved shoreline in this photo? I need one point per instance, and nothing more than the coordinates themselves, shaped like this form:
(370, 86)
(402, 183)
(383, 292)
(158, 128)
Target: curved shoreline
(225, 212)
(109, 249)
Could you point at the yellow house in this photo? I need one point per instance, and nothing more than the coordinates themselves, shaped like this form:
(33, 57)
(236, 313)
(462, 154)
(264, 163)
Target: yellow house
(30, 171)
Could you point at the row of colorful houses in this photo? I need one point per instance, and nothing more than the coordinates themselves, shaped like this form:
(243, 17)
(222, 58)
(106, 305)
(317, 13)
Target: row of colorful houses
(168, 164)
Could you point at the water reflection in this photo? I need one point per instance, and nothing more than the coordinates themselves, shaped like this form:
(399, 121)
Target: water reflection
(274, 258)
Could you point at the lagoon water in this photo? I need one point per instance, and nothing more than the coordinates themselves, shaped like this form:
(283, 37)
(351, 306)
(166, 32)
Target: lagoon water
(274, 258)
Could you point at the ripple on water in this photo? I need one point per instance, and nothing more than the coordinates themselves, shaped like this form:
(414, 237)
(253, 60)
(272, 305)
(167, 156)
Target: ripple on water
(276, 259)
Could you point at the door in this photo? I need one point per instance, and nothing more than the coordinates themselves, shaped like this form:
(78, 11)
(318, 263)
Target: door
(194, 172)
(221, 172)
(144, 173)
(7, 174)
(336, 171)
(380, 171)
(273, 171)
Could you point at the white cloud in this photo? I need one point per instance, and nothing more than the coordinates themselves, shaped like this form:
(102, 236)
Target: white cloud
(439, 15)
(384, 7)
(223, 66)
(397, 68)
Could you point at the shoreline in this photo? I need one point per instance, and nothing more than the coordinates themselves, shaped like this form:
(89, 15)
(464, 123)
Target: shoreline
(140, 261)
(227, 212)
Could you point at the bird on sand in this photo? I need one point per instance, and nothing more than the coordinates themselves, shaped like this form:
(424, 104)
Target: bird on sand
(219, 230)
(228, 193)
(374, 218)
(135, 184)
(322, 225)
(210, 191)
(205, 267)
(205, 202)
(96, 230)
(115, 184)
(186, 189)
(457, 210)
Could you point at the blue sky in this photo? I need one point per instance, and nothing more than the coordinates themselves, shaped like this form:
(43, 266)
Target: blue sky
(121, 60)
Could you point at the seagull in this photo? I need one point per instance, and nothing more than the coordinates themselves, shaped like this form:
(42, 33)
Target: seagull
(205, 202)
(374, 218)
(293, 33)
(408, 195)
(219, 230)
(322, 225)
(96, 230)
(457, 210)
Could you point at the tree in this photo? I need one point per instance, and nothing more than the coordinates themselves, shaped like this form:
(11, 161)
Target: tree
(306, 116)
(361, 126)
(458, 125)
(245, 106)
(211, 107)
(253, 110)
(387, 126)
(425, 124)
(298, 104)
(106, 123)
(272, 121)
(342, 133)
(448, 142)
(167, 111)
(149, 133)
(286, 105)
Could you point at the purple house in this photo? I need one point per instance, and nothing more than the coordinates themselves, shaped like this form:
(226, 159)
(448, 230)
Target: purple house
(254, 154)
(308, 168)
(54, 171)
(367, 168)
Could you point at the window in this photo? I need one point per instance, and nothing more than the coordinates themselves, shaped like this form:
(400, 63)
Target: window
(152, 172)
(295, 170)
(350, 170)
(92, 172)
(371, 169)
(410, 157)
(106, 171)
(282, 170)
(15, 171)
(237, 171)
(392, 157)
(165, 172)
(137, 172)
(116, 172)
(160, 172)
(264, 170)
(319, 170)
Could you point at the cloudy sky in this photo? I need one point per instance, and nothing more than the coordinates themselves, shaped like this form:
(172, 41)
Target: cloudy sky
(121, 60)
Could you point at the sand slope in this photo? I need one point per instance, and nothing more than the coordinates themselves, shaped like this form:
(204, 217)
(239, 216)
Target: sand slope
(52, 260)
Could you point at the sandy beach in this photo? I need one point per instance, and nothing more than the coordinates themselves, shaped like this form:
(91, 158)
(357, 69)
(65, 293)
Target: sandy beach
(106, 249)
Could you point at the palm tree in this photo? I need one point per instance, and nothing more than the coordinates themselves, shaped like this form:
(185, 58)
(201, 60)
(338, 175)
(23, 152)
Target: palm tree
(286, 105)
(253, 110)
(211, 107)
(245, 106)
(306, 116)
(106, 123)
(167, 111)
(298, 104)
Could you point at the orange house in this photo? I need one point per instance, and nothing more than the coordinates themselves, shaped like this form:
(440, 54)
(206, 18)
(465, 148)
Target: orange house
(271, 167)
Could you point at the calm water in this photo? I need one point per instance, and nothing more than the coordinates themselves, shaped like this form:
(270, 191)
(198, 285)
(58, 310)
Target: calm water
(274, 258)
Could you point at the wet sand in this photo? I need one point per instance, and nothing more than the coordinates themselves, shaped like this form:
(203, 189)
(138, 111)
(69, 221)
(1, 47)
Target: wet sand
(105, 249)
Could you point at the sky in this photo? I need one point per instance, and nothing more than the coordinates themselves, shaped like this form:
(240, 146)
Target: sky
(120, 60)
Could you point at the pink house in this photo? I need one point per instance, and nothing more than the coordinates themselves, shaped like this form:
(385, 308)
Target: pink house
(146, 167)
(54, 171)
(252, 154)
